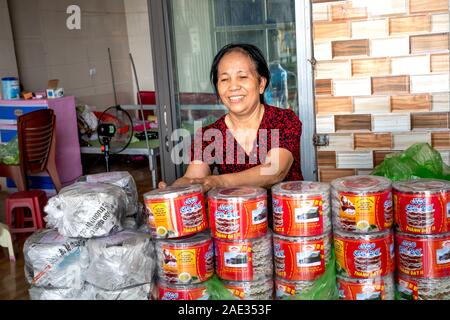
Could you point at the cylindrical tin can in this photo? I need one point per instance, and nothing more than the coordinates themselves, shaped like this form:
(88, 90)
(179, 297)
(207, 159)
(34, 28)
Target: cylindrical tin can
(186, 261)
(301, 258)
(169, 291)
(364, 256)
(10, 88)
(422, 206)
(244, 260)
(423, 256)
(251, 290)
(301, 208)
(288, 289)
(176, 211)
(362, 204)
(410, 288)
(238, 213)
(379, 288)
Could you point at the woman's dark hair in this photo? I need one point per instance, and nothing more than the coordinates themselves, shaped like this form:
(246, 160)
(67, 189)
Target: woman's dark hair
(254, 54)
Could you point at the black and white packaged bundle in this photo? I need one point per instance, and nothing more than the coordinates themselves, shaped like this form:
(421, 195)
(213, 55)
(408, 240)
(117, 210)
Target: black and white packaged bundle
(124, 180)
(121, 260)
(86, 210)
(55, 261)
(41, 293)
(139, 292)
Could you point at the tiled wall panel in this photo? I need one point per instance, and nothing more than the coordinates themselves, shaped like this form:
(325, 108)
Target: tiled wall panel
(428, 5)
(440, 140)
(439, 62)
(371, 29)
(440, 102)
(410, 65)
(333, 105)
(357, 160)
(382, 80)
(411, 24)
(413, 103)
(427, 43)
(404, 140)
(326, 159)
(370, 67)
(430, 120)
(381, 104)
(391, 122)
(390, 47)
(339, 142)
(439, 22)
(429, 83)
(373, 141)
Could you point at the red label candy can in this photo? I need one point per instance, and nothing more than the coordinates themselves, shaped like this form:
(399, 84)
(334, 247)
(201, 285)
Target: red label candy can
(168, 291)
(410, 288)
(238, 213)
(301, 208)
(188, 260)
(244, 260)
(301, 258)
(251, 290)
(288, 289)
(176, 211)
(362, 204)
(380, 288)
(422, 206)
(423, 256)
(364, 256)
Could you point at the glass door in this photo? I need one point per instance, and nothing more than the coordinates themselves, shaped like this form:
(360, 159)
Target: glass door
(199, 28)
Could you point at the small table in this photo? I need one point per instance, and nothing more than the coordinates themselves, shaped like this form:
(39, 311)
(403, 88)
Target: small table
(137, 148)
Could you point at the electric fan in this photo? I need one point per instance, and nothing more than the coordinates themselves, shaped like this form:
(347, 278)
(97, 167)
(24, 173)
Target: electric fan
(115, 131)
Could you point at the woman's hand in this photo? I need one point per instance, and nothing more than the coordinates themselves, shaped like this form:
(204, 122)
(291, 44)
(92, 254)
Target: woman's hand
(208, 182)
(162, 185)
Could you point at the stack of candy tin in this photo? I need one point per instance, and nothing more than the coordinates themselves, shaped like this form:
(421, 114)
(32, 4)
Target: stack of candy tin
(363, 237)
(302, 235)
(242, 240)
(177, 219)
(422, 219)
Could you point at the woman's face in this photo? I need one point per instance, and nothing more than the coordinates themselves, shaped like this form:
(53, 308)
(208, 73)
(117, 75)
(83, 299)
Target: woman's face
(239, 85)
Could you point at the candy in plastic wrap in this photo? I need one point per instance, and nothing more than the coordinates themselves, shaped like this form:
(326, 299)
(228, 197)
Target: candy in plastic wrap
(121, 179)
(86, 210)
(140, 292)
(41, 293)
(122, 260)
(52, 260)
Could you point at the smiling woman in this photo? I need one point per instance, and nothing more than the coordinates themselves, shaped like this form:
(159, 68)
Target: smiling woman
(254, 144)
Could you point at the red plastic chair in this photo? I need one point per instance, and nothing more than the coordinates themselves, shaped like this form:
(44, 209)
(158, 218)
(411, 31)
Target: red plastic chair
(35, 201)
(37, 149)
(147, 97)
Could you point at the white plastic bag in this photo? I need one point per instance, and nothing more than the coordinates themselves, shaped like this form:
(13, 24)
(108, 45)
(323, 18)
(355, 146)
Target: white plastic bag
(86, 210)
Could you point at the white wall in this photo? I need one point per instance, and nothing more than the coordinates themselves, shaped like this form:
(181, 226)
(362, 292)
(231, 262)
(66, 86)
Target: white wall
(140, 43)
(8, 65)
(193, 45)
(47, 49)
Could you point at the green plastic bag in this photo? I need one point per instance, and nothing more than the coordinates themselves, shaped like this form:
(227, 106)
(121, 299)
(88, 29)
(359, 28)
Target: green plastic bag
(325, 287)
(217, 291)
(418, 161)
(9, 152)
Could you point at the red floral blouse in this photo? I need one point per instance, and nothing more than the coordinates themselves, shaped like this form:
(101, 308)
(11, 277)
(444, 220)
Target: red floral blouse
(220, 150)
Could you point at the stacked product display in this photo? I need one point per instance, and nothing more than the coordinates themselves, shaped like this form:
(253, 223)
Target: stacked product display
(302, 235)
(422, 219)
(88, 255)
(242, 241)
(363, 237)
(184, 247)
